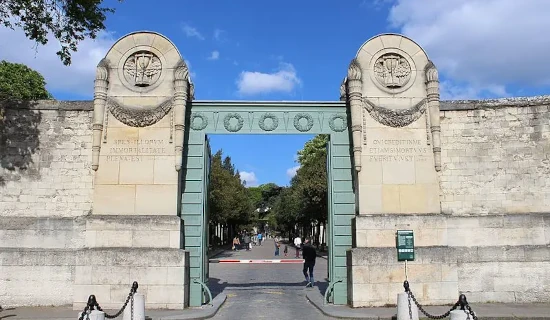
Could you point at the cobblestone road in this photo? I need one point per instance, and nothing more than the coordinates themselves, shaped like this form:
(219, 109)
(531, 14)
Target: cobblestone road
(261, 291)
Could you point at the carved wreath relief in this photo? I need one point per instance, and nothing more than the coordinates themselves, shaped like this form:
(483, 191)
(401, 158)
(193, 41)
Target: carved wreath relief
(142, 69)
(392, 70)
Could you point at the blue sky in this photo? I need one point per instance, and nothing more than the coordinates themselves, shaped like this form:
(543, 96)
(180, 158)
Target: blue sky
(300, 50)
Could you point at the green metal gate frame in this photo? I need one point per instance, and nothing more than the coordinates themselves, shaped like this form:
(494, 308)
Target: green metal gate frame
(248, 117)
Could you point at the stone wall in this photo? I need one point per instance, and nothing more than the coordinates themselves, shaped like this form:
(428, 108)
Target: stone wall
(45, 159)
(439, 274)
(495, 156)
(495, 162)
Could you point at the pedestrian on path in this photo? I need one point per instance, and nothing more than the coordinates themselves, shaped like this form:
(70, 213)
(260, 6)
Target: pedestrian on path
(297, 244)
(247, 242)
(277, 246)
(286, 250)
(260, 238)
(236, 243)
(309, 254)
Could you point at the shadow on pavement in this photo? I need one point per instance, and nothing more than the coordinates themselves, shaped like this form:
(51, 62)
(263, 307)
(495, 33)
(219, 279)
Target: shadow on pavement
(216, 285)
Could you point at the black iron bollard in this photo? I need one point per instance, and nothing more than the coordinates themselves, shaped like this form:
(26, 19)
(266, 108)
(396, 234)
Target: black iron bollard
(135, 286)
(406, 286)
(462, 301)
(92, 302)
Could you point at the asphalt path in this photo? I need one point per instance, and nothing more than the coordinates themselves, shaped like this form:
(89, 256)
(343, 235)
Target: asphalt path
(261, 291)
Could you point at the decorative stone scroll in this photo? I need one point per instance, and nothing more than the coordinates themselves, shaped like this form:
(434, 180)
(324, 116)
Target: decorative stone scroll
(354, 92)
(396, 118)
(100, 99)
(432, 90)
(135, 116)
(182, 92)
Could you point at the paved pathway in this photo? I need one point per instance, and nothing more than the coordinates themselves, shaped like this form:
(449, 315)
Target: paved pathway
(261, 291)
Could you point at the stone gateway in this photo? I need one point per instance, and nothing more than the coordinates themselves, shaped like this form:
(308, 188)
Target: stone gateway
(97, 194)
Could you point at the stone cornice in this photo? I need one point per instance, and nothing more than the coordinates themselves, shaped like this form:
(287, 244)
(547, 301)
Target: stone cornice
(446, 105)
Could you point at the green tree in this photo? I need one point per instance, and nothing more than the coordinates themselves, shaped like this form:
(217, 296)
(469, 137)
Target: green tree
(286, 210)
(314, 148)
(69, 21)
(310, 183)
(19, 82)
(229, 201)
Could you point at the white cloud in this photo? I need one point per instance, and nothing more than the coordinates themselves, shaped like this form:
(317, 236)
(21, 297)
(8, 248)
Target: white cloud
(291, 172)
(215, 55)
(78, 78)
(254, 82)
(486, 45)
(220, 35)
(250, 178)
(192, 32)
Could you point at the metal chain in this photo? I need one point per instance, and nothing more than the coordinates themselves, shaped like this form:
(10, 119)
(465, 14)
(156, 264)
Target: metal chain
(445, 315)
(92, 303)
(471, 312)
(132, 309)
(410, 309)
(130, 296)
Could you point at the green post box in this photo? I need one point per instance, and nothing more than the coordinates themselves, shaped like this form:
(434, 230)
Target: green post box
(405, 245)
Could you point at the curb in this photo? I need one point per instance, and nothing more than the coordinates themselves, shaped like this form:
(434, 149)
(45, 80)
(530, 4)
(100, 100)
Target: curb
(337, 312)
(204, 312)
(345, 312)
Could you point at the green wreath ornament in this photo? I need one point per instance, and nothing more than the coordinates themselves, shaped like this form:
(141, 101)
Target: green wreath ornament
(299, 126)
(227, 122)
(198, 126)
(273, 126)
(334, 126)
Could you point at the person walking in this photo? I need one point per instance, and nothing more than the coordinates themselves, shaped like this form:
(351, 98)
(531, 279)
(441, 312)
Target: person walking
(297, 244)
(247, 242)
(260, 238)
(309, 254)
(277, 246)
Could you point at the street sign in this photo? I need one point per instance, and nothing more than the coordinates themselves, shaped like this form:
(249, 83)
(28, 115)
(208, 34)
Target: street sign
(405, 245)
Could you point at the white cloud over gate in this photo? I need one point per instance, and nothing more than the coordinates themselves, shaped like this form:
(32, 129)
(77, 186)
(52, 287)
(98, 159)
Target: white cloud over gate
(284, 80)
(250, 178)
(77, 78)
(482, 45)
(291, 172)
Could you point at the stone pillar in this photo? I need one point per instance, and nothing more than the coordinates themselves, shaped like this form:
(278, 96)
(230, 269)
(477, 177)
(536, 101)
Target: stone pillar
(397, 124)
(100, 98)
(354, 86)
(398, 173)
(141, 90)
(181, 90)
(432, 89)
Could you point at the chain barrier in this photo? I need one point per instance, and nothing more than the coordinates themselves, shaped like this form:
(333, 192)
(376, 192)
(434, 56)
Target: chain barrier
(462, 302)
(93, 304)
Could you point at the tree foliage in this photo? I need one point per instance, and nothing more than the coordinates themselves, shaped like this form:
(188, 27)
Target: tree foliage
(19, 82)
(229, 201)
(305, 200)
(68, 21)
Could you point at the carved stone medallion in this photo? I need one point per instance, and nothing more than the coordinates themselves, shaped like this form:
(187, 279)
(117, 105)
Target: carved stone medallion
(142, 69)
(392, 70)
